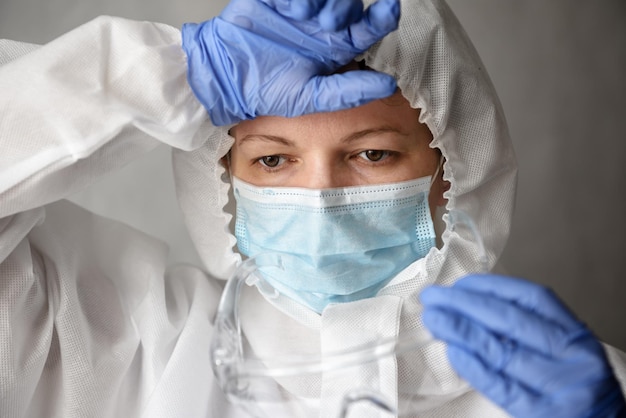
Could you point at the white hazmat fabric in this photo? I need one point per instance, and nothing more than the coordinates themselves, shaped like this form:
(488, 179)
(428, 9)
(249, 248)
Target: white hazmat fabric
(92, 322)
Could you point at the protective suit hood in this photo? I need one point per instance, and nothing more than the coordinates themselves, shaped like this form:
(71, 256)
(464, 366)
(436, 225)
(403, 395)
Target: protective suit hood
(438, 71)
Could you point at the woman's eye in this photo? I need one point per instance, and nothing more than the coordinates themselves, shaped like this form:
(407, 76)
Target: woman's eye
(374, 155)
(271, 161)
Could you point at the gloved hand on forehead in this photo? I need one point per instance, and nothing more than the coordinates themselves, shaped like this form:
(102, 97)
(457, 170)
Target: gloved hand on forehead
(516, 343)
(256, 58)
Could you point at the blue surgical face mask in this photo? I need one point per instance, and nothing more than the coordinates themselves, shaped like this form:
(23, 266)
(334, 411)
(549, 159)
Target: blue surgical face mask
(340, 244)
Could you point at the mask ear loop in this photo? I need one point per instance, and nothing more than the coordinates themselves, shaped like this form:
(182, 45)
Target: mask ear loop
(230, 171)
(228, 160)
(436, 216)
(438, 170)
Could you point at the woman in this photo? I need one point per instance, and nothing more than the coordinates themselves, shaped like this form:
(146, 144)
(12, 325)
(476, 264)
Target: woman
(95, 324)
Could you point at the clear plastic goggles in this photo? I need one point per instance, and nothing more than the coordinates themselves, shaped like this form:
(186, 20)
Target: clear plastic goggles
(286, 377)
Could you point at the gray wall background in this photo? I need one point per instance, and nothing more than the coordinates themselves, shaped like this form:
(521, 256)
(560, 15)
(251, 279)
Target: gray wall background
(559, 67)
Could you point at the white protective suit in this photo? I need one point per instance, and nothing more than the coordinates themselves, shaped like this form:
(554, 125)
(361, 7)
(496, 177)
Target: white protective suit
(93, 324)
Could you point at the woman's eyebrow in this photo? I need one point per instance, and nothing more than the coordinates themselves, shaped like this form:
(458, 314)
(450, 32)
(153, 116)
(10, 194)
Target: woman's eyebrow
(374, 131)
(266, 138)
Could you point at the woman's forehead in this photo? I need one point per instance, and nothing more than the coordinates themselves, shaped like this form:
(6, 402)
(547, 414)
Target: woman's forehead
(393, 112)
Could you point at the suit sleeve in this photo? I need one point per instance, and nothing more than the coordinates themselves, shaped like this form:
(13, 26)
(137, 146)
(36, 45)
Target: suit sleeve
(87, 103)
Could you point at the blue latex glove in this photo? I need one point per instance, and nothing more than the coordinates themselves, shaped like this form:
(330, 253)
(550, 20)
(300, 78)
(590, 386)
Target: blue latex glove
(252, 60)
(516, 343)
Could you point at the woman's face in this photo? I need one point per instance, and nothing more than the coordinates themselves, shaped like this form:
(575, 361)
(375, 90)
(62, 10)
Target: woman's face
(380, 142)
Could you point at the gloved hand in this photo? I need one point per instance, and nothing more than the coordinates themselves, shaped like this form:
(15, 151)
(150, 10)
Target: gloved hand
(252, 60)
(516, 343)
